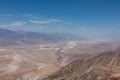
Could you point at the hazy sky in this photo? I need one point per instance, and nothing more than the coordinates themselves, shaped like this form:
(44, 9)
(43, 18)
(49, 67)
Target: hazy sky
(98, 19)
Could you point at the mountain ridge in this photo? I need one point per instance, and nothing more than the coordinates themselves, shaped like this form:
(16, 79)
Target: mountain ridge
(103, 66)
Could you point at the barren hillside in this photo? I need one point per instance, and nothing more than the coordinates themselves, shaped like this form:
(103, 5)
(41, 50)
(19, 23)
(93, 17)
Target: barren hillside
(104, 66)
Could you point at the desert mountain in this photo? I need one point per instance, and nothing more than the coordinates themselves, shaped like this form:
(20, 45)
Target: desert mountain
(104, 66)
(8, 37)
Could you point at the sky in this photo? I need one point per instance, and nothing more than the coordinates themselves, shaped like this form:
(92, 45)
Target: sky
(94, 19)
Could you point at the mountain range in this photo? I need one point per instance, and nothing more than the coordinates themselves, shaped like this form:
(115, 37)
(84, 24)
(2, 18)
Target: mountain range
(9, 38)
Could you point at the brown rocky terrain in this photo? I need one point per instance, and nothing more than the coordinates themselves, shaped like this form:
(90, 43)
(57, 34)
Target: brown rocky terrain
(113, 78)
(104, 66)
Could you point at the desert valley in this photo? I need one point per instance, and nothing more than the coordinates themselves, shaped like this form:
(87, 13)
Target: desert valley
(59, 39)
(37, 61)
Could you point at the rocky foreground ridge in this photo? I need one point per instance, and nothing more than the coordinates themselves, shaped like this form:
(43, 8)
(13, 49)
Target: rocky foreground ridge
(104, 66)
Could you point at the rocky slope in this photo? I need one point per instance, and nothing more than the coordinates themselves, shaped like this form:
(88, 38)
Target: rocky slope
(104, 66)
